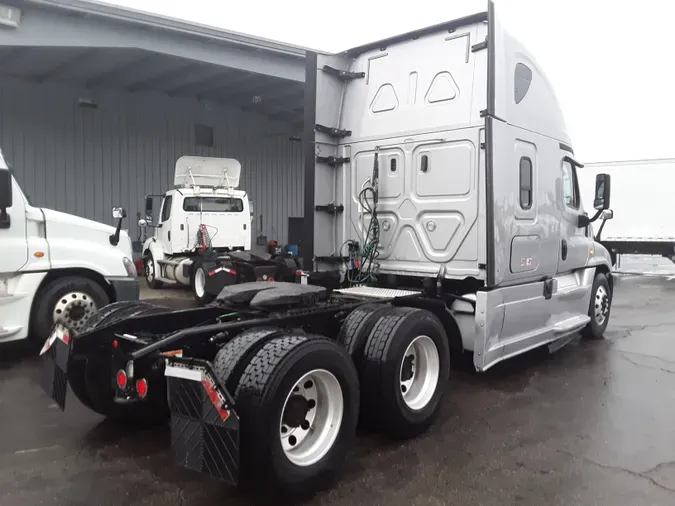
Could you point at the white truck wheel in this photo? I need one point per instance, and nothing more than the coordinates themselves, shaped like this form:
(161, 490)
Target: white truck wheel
(151, 272)
(198, 283)
(70, 300)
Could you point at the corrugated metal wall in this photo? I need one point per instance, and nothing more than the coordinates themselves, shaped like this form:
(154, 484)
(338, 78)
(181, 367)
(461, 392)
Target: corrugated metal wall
(85, 161)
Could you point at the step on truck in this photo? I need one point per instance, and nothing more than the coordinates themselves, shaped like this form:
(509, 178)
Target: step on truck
(202, 238)
(442, 196)
(56, 267)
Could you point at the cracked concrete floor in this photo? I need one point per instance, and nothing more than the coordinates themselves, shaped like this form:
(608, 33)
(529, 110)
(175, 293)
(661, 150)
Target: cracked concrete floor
(593, 424)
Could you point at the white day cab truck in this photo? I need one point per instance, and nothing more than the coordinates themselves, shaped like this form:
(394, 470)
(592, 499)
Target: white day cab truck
(442, 196)
(202, 238)
(644, 223)
(56, 267)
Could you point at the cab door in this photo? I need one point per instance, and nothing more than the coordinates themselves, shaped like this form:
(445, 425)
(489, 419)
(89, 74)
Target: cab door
(575, 245)
(164, 231)
(13, 241)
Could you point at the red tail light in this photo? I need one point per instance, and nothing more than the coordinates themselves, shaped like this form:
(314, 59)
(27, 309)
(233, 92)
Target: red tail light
(142, 388)
(121, 379)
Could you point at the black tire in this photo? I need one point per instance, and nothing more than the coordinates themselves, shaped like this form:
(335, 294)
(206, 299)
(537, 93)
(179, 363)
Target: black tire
(288, 267)
(382, 398)
(77, 367)
(45, 303)
(233, 357)
(260, 398)
(151, 280)
(598, 303)
(357, 327)
(151, 411)
(205, 298)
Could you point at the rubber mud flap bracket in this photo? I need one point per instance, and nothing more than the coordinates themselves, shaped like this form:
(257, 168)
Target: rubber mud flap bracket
(204, 425)
(54, 373)
(548, 289)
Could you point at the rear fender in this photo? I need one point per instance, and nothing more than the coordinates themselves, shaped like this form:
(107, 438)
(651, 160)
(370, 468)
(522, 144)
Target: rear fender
(157, 324)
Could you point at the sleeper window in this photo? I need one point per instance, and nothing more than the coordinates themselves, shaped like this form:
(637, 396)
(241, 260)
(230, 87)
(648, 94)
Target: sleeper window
(570, 186)
(525, 183)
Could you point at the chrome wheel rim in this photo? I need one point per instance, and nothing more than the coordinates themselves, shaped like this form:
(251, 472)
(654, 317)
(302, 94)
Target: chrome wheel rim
(74, 309)
(200, 282)
(149, 270)
(419, 372)
(311, 417)
(601, 305)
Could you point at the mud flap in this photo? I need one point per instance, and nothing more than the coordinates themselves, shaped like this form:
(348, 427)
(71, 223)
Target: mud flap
(219, 277)
(55, 356)
(204, 425)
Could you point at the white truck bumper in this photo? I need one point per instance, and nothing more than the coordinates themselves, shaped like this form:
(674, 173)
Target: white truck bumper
(16, 299)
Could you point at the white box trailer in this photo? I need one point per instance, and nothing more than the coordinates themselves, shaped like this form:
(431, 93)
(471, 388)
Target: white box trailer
(641, 192)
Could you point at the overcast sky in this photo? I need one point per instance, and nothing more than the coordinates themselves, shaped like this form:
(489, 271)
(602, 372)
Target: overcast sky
(611, 62)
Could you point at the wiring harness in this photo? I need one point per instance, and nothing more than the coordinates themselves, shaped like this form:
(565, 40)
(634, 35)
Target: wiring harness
(203, 238)
(362, 256)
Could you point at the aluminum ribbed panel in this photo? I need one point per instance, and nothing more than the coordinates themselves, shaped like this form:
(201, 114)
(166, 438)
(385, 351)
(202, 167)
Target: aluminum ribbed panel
(84, 161)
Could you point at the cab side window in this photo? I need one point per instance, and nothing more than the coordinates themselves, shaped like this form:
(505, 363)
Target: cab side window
(166, 208)
(570, 185)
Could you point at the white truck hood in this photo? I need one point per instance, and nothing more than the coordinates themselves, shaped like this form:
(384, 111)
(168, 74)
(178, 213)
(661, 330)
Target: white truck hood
(81, 225)
(78, 242)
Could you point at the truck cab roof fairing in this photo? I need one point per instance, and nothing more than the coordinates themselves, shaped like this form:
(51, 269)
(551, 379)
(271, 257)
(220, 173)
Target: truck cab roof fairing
(522, 94)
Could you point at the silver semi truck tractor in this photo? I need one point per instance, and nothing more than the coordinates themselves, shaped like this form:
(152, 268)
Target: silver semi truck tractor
(443, 219)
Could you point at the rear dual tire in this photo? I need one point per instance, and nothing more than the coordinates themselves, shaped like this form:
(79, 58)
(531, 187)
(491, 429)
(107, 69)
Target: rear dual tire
(89, 379)
(298, 400)
(403, 360)
(198, 283)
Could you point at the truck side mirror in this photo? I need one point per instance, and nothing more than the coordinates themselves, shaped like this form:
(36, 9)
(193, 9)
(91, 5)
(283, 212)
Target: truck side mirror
(5, 189)
(119, 213)
(602, 192)
(148, 205)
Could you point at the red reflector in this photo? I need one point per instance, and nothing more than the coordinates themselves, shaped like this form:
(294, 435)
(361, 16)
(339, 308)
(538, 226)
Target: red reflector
(142, 388)
(213, 395)
(213, 273)
(121, 379)
(65, 338)
(298, 273)
(233, 272)
(115, 344)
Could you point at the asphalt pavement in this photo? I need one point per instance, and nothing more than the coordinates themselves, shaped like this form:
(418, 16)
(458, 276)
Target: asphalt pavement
(592, 424)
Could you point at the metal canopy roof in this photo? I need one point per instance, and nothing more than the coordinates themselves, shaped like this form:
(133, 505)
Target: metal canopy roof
(96, 46)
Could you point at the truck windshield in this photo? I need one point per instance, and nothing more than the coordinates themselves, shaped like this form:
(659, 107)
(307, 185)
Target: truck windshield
(213, 205)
